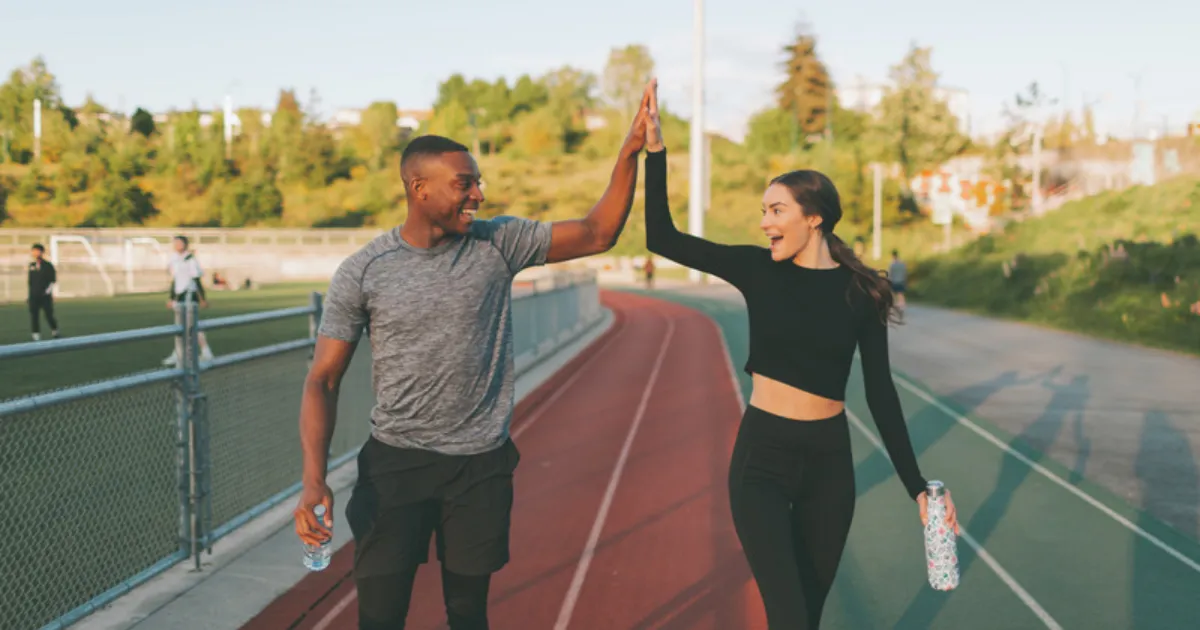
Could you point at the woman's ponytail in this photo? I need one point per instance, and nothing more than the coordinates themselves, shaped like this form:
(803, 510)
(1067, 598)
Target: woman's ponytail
(869, 280)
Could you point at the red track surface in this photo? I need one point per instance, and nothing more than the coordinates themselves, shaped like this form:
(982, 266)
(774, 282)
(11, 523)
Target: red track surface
(666, 555)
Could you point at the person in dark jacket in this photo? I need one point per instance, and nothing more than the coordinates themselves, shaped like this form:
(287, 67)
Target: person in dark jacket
(42, 278)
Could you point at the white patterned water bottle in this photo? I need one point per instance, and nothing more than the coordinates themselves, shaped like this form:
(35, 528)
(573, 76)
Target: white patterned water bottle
(316, 557)
(941, 545)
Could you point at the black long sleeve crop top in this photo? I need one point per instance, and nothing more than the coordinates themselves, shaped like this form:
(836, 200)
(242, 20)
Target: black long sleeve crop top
(803, 329)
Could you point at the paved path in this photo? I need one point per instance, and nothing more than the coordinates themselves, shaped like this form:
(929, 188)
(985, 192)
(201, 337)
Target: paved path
(1124, 417)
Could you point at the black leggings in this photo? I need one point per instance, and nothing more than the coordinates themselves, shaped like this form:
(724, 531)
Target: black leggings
(383, 601)
(37, 304)
(791, 490)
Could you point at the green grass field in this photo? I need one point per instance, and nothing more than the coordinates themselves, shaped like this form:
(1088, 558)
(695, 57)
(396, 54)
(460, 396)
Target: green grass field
(77, 317)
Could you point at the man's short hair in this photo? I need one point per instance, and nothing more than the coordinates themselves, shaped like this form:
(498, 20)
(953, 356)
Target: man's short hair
(39, 247)
(182, 238)
(427, 146)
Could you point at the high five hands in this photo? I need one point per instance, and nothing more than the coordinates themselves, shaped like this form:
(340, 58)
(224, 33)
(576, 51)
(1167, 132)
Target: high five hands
(645, 132)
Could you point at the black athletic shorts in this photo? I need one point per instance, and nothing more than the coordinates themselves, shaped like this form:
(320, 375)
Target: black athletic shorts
(405, 496)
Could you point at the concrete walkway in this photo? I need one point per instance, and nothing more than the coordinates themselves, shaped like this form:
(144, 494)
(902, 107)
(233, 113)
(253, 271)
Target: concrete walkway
(1124, 417)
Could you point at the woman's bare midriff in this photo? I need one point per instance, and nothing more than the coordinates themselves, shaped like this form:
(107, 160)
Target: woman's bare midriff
(796, 404)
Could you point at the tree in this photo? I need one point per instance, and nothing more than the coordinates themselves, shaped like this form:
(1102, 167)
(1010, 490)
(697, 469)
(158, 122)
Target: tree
(378, 133)
(915, 125)
(770, 132)
(24, 86)
(527, 95)
(451, 121)
(625, 76)
(571, 93)
(142, 122)
(119, 202)
(806, 91)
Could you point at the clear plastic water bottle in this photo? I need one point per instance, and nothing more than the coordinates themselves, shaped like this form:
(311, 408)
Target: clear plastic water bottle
(941, 545)
(316, 557)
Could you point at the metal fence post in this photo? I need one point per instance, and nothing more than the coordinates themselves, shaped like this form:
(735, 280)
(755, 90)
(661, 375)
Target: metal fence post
(194, 443)
(314, 318)
(183, 444)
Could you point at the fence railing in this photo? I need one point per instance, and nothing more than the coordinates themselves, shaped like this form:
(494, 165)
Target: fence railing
(107, 484)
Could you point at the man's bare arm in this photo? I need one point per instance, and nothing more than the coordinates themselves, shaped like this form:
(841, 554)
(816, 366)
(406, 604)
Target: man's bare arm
(598, 231)
(318, 417)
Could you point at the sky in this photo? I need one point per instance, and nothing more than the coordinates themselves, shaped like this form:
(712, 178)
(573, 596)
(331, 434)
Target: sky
(163, 55)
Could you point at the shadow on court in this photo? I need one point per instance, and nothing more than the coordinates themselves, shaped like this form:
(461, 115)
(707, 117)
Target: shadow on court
(1167, 474)
(1068, 400)
(930, 424)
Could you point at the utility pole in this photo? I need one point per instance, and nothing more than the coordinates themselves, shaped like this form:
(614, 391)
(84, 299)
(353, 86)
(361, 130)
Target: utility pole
(877, 225)
(228, 127)
(37, 130)
(1037, 167)
(696, 194)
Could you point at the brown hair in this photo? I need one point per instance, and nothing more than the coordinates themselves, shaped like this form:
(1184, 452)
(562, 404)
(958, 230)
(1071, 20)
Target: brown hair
(817, 195)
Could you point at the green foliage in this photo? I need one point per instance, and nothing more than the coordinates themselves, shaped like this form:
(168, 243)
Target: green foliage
(915, 126)
(770, 132)
(625, 77)
(806, 92)
(1119, 265)
(546, 145)
(117, 202)
(142, 122)
(247, 201)
(29, 187)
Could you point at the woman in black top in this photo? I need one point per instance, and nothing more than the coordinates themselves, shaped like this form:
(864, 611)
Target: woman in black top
(811, 302)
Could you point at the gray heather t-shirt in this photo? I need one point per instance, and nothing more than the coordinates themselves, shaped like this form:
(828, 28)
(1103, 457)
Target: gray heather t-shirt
(898, 271)
(440, 326)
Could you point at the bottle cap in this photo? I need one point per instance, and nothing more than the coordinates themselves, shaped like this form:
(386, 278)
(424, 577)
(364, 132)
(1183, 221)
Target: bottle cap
(319, 510)
(935, 488)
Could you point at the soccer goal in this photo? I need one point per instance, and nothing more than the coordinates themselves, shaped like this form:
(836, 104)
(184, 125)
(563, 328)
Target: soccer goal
(145, 260)
(78, 266)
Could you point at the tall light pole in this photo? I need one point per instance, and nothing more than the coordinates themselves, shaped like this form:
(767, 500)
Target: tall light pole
(696, 180)
(228, 119)
(37, 130)
(877, 218)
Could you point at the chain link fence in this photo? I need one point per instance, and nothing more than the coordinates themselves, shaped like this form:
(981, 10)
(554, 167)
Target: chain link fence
(109, 483)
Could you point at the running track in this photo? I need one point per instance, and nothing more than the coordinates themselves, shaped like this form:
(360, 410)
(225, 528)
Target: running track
(621, 520)
(621, 517)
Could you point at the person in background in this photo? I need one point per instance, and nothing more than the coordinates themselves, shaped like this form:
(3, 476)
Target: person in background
(898, 274)
(186, 286)
(42, 278)
(648, 269)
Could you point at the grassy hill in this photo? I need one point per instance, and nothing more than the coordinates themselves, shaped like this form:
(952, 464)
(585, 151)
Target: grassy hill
(544, 187)
(1121, 265)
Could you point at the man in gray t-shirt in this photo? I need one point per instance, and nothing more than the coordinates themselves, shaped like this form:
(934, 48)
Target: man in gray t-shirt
(434, 296)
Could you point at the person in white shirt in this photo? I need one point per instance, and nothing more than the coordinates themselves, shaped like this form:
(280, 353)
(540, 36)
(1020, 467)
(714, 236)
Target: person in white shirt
(186, 274)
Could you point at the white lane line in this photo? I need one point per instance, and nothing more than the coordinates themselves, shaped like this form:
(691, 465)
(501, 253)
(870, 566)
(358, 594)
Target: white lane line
(987, 435)
(567, 385)
(589, 550)
(336, 610)
(353, 594)
(1005, 577)
(983, 554)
